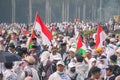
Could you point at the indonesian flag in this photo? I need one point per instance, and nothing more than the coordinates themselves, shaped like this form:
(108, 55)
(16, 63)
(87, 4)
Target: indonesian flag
(41, 29)
(100, 36)
(24, 32)
(29, 41)
(81, 48)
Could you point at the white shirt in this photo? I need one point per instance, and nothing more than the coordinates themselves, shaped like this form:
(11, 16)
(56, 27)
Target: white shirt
(9, 75)
(34, 73)
(56, 76)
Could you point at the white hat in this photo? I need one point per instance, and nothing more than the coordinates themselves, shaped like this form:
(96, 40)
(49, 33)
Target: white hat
(88, 51)
(60, 62)
(113, 40)
(118, 50)
(71, 64)
(92, 59)
(72, 49)
(30, 59)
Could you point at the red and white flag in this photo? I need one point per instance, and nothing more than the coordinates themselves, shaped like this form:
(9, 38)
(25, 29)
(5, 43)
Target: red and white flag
(100, 36)
(41, 29)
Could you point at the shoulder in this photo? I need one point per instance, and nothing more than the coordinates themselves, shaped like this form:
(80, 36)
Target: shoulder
(52, 76)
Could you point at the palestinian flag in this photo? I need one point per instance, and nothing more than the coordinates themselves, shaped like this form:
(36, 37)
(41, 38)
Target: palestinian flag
(54, 31)
(81, 48)
(29, 41)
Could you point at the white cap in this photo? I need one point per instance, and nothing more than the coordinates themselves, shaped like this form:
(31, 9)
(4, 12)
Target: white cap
(92, 59)
(72, 49)
(113, 40)
(60, 62)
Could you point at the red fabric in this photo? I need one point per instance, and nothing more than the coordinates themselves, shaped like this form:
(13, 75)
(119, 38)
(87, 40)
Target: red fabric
(45, 30)
(79, 43)
(99, 30)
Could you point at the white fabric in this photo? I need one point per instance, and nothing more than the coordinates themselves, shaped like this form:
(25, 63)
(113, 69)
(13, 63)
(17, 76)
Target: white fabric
(44, 57)
(9, 75)
(45, 39)
(34, 73)
(56, 76)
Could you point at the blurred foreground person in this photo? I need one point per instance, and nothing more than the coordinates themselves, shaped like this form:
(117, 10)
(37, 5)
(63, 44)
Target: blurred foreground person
(95, 74)
(29, 70)
(59, 74)
(9, 74)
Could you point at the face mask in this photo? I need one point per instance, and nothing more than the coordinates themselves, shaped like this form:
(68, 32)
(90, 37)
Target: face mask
(60, 73)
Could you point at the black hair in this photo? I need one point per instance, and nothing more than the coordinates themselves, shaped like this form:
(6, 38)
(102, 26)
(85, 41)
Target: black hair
(8, 65)
(79, 57)
(107, 40)
(95, 70)
(92, 43)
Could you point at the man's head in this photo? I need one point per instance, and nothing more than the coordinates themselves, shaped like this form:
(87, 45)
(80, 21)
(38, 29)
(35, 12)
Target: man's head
(63, 46)
(34, 40)
(95, 72)
(30, 60)
(8, 65)
(78, 57)
(113, 59)
(88, 53)
(12, 47)
(34, 48)
(109, 70)
(92, 45)
(106, 42)
(60, 66)
(72, 52)
(113, 41)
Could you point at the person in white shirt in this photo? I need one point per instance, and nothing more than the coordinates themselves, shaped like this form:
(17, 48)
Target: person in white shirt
(59, 74)
(29, 70)
(8, 73)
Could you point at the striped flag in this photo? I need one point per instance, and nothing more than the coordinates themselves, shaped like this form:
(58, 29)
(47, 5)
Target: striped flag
(29, 41)
(81, 48)
(100, 37)
(41, 29)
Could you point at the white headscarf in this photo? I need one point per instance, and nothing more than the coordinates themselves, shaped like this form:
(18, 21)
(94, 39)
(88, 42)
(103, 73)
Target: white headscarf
(44, 57)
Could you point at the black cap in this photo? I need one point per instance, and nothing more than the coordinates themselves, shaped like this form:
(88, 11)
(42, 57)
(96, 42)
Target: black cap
(113, 58)
(12, 45)
(109, 67)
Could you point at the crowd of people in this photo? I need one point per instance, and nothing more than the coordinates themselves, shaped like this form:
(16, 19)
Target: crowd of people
(60, 61)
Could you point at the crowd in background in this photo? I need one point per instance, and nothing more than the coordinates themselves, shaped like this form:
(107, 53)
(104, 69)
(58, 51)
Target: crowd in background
(60, 61)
